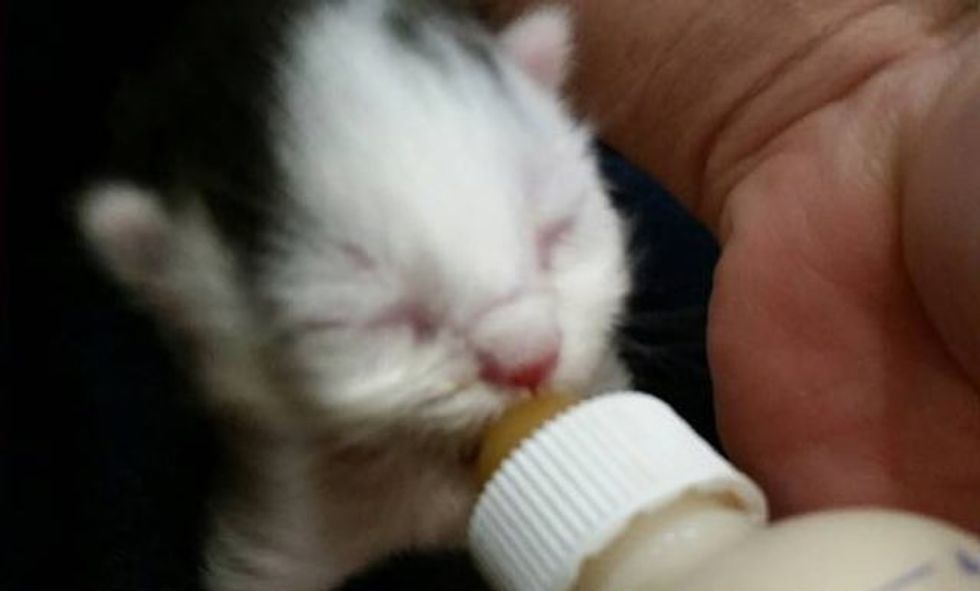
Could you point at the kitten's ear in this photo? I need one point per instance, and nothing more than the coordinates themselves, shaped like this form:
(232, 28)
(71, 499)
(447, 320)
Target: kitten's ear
(128, 229)
(541, 43)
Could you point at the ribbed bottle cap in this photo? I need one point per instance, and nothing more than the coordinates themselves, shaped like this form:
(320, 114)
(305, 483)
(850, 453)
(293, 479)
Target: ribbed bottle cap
(570, 489)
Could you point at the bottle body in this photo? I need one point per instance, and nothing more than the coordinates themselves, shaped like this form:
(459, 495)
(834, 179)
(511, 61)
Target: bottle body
(713, 548)
(617, 493)
(658, 549)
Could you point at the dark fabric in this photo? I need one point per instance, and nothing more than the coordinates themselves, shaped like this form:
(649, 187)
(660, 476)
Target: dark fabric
(105, 472)
(673, 261)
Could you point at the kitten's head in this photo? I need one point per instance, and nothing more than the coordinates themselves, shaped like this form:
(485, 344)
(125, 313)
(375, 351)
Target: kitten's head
(439, 242)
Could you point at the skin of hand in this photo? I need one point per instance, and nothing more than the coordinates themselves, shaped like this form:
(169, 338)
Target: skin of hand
(834, 149)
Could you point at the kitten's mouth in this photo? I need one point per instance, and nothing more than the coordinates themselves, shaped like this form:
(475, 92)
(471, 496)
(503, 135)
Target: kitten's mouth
(467, 445)
(457, 441)
(472, 443)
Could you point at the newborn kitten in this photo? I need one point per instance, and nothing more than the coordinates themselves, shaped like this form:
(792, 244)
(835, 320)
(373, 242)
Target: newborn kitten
(371, 226)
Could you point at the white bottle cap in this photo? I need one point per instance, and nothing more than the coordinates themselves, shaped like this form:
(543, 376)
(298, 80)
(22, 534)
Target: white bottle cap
(571, 488)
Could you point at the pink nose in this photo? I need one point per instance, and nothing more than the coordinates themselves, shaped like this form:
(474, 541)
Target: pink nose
(527, 374)
(517, 341)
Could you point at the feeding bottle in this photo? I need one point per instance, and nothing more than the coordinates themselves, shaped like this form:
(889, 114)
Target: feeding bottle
(617, 493)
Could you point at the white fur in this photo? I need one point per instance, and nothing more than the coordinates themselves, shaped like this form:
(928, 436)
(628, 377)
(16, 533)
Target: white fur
(428, 174)
(437, 214)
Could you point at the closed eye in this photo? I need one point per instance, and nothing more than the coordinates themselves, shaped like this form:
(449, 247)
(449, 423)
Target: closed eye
(405, 314)
(550, 236)
(311, 327)
(408, 314)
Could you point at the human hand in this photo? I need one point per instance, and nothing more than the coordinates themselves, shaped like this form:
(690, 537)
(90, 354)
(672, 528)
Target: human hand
(844, 333)
(834, 148)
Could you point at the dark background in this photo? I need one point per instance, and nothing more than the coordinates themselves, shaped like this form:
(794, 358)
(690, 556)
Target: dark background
(104, 471)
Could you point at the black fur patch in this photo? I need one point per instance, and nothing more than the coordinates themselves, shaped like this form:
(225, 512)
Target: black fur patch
(196, 126)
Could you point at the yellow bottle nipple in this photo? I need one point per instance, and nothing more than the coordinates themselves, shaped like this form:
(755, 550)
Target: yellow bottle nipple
(514, 426)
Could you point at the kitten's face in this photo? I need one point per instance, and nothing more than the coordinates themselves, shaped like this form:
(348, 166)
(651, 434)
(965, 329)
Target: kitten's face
(442, 245)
